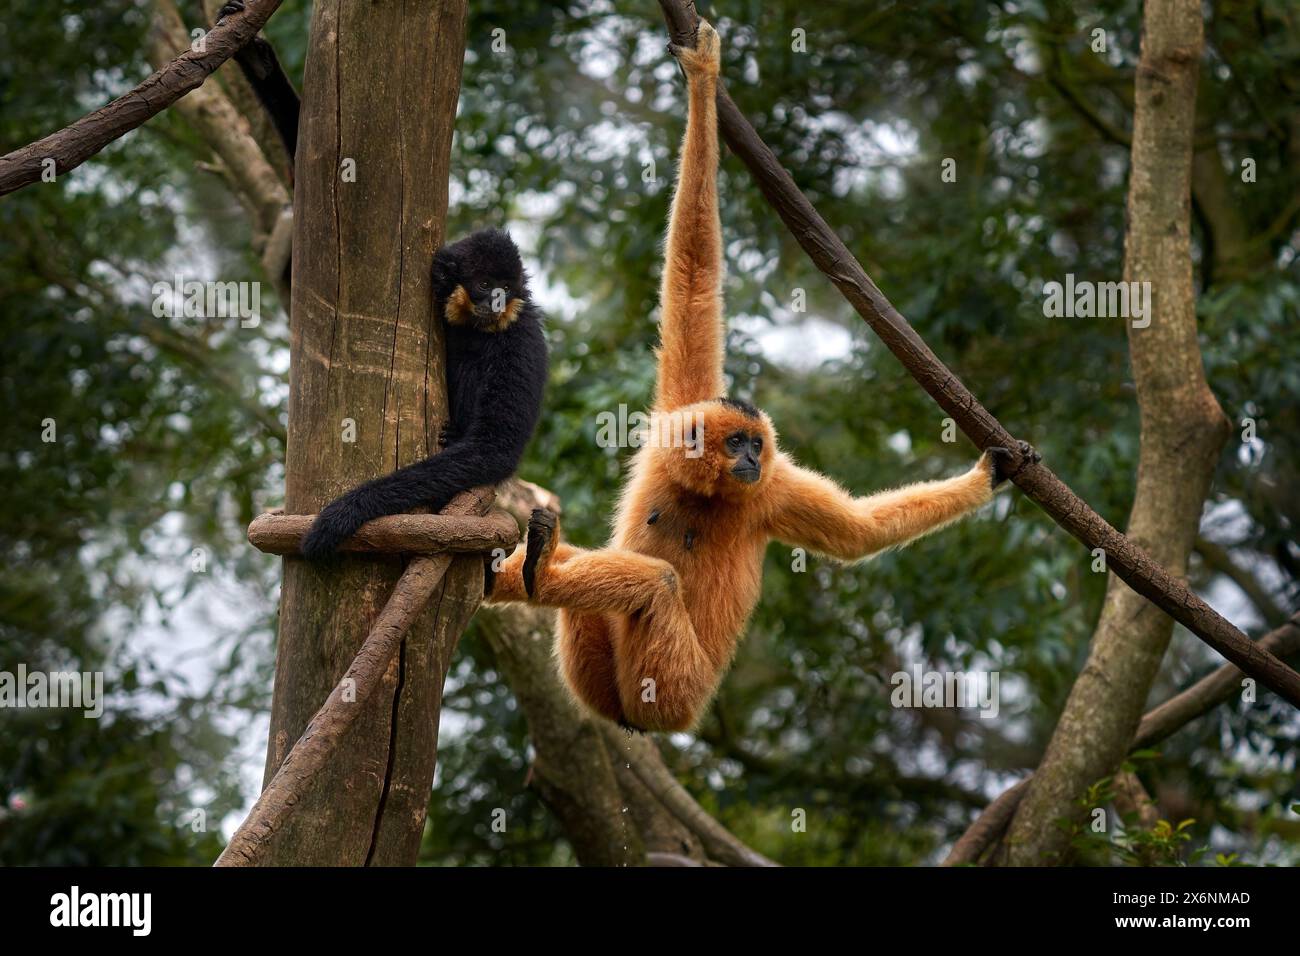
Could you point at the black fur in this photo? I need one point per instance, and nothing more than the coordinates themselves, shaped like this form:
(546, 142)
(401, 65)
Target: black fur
(261, 67)
(541, 529)
(494, 383)
(1002, 460)
(740, 405)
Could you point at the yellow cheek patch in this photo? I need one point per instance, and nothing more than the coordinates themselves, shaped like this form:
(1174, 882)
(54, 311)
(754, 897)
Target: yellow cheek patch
(459, 309)
(508, 316)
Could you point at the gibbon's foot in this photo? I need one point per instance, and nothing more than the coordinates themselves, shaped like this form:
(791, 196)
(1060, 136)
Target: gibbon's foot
(447, 435)
(1000, 460)
(334, 525)
(631, 730)
(705, 59)
(234, 6)
(543, 532)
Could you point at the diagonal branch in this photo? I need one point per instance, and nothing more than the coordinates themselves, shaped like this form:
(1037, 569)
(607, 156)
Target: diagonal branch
(1157, 724)
(1133, 565)
(344, 705)
(73, 145)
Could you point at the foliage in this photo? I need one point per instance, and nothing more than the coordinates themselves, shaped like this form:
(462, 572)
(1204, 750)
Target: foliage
(158, 452)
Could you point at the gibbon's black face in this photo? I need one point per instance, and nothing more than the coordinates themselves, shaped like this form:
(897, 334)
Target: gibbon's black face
(486, 280)
(746, 449)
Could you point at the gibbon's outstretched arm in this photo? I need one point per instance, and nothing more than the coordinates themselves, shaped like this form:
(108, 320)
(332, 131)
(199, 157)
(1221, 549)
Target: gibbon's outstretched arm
(690, 299)
(811, 511)
(261, 67)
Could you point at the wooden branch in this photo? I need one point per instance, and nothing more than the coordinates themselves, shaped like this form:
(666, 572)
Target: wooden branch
(345, 703)
(1159, 723)
(73, 145)
(405, 533)
(1133, 565)
(719, 842)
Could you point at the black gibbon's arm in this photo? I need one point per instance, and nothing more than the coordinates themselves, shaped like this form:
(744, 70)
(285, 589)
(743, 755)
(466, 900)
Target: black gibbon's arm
(496, 373)
(261, 67)
(486, 453)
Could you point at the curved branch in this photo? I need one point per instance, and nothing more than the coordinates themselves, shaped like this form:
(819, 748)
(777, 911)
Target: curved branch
(828, 252)
(404, 533)
(73, 145)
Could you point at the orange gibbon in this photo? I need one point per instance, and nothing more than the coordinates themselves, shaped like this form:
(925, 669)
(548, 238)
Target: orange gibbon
(649, 624)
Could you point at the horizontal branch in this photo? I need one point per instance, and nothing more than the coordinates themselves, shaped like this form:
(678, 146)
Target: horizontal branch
(405, 534)
(345, 703)
(73, 145)
(1156, 725)
(1133, 565)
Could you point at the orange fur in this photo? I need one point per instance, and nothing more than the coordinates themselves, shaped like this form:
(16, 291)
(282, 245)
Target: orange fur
(459, 307)
(649, 625)
(459, 310)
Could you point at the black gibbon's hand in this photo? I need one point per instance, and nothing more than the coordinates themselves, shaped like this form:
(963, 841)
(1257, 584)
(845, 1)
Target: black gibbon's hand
(336, 522)
(447, 434)
(1000, 460)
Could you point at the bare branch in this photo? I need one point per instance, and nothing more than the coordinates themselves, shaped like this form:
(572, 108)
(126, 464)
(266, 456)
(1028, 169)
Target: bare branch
(73, 145)
(1163, 721)
(404, 533)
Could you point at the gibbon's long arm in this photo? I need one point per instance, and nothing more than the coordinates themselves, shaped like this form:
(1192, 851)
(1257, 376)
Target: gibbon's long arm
(262, 69)
(690, 299)
(811, 511)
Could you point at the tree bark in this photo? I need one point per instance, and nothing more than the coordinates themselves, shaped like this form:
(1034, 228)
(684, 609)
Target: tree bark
(74, 144)
(1182, 434)
(297, 776)
(379, 100)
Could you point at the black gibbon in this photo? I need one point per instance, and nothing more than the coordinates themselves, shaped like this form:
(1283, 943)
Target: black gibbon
(496, 353)
(496, 372)
(648, 625)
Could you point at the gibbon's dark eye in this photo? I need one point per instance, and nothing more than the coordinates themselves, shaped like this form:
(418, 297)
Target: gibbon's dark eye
(757, 444)
(484, 285)
(735, 441)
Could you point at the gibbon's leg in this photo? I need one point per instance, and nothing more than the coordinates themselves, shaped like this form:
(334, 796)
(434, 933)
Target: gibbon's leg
(690, 298)
(585, 652)
(261, 67)
(809, 510)
(665, 676)
(661, 674)
(550, 573)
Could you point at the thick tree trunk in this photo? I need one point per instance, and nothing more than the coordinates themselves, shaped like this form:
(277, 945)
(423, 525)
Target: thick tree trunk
(1183, 431)
(379, 102)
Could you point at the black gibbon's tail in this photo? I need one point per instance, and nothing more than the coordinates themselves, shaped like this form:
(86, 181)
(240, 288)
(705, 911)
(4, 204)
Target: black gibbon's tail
(432, 482)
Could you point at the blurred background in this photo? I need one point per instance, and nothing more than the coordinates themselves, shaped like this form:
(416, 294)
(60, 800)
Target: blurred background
(122, 543)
